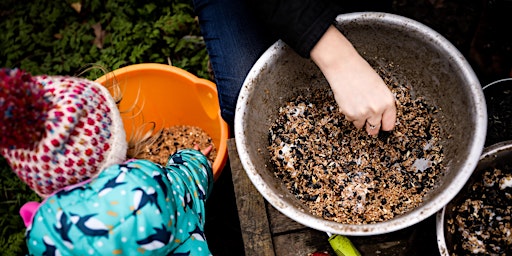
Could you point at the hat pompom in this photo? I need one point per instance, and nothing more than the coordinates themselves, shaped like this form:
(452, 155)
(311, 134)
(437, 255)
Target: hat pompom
(22, 109)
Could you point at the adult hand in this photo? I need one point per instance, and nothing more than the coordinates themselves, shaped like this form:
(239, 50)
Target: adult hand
(361, 94)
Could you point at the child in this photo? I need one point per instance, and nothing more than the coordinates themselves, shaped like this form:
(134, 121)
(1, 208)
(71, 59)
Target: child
(63, 136)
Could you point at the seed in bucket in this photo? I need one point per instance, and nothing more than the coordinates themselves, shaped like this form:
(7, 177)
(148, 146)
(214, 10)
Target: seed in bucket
(482, 223)
(344, 175)
(174, 138)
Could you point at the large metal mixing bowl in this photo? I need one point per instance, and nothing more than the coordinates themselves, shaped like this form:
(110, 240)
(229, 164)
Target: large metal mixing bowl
(432, 65)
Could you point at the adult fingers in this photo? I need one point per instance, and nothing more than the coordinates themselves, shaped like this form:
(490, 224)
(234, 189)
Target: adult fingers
(386, 122)
(389, 119)
(373, 126)
(359, 123)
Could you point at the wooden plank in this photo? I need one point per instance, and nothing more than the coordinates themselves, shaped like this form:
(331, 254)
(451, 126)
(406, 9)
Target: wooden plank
(252, 212)
(302, 242)
(266, 231)
(280, 223)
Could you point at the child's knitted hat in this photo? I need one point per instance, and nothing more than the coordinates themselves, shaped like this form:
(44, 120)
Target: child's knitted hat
(57, 131)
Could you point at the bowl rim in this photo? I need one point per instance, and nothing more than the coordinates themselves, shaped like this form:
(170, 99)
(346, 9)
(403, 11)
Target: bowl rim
(222, 152)
(394, 224)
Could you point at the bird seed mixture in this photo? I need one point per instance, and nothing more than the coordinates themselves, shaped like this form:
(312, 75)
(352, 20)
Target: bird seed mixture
(174, 138)
(482, 224)
(343, 174)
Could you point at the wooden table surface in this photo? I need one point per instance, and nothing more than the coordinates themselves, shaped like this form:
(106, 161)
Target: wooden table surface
(266, 231)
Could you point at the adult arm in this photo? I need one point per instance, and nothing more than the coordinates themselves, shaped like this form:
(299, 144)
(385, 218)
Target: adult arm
(306, 26)
(299, 23)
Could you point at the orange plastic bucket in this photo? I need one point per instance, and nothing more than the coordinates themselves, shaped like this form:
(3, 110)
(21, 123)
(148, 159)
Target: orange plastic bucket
(170, 96)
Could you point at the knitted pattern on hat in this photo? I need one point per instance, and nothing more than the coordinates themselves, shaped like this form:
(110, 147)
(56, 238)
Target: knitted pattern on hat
(78, 134)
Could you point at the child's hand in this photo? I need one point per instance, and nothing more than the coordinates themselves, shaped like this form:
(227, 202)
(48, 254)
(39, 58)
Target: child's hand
(205, 151)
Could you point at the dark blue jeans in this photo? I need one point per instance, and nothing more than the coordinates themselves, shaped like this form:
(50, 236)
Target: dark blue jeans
(234, 41)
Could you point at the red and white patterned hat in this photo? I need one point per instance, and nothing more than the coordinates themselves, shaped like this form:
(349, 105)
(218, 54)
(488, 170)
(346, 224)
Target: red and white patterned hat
(56, 131)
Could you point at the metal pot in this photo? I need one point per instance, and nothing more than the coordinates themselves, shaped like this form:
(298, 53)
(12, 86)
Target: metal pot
(498, 155)
(447, 81)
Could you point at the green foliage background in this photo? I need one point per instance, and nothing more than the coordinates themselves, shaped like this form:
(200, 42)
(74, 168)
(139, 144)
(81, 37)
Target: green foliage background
(51, 37)
(44, 36)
